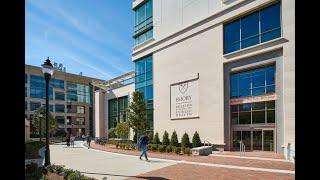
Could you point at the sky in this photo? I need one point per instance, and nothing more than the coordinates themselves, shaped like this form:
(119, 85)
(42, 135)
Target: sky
(89, 36)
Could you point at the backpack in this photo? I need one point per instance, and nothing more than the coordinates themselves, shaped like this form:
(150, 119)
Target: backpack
(140, 142)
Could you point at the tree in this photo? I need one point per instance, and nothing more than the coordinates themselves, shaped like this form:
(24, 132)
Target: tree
(137, 113)
(174, 139)
(36, 121)
(185, 142)
(196, 142)
(165, 138)
(156, 139)
(122, 130)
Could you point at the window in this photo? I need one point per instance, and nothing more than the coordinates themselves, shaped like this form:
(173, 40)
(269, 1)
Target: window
(37, 87)
(57, 83)
(80, 109)
(60, 119)
(59, 96)
(26, 105)
(257, 27)
(80, 121)
(79, 92)
(34, 105)
(253, 113)
(144, 84)
(59, 107)
(117, 111)
(25, 91)
(25, 78)
(143, 22)
(252, 83)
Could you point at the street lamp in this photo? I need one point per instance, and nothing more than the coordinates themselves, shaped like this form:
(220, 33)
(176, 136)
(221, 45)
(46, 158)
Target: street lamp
(40, 119)
(47, 70)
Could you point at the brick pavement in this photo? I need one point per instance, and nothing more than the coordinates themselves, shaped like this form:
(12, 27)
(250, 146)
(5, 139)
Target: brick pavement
(205, 159)
(187, 171)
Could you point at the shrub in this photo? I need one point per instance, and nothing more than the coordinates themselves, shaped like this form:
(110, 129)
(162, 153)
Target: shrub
(162, 148)
(154, 147)
(185, 142)
(173, 149)
(150, 134)
(132, 146)
(174, 139)
(169, 149)
(112, 133)
(122, 130)
(156, 139)
(182, 149)
(149, 147)
(165, 138)
(178, 150)
(196, 142)
(117, 145)
(187, 151)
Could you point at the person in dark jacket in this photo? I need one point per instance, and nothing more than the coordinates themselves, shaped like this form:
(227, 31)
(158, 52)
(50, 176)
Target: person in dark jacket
(68, 139)
(142, 144)
(88, 140)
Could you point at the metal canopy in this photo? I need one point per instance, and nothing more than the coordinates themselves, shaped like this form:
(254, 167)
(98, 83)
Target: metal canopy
(116, 82)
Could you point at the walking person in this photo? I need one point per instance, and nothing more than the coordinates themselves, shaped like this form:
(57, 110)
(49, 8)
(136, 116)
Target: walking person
(143, 144)
(88, 140)
(68, 139)
(72, 138)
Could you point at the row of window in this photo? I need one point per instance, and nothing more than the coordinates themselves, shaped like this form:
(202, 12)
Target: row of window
(143, 22)
(58, 107)
(253, 113)
(257, 27)
(79, 92)
(254, 82)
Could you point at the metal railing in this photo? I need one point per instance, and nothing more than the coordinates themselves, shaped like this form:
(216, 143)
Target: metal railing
(206, 142)
(242, 148)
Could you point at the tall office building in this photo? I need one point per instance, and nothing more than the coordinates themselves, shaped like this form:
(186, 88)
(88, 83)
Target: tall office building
(70, 97)
(224, 68)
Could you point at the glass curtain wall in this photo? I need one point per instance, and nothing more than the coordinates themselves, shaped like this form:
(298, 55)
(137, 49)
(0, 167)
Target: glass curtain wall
(117, 111)
(79, 93)
(143, 29)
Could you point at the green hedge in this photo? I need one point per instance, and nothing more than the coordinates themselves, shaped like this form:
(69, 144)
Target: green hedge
(67, 173)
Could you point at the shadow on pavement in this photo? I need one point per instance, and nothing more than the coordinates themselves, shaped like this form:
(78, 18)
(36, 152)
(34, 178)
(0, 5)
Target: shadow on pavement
(141, 177)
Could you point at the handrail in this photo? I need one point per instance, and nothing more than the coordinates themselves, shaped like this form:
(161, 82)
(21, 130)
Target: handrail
(242, 148)
(204, 143)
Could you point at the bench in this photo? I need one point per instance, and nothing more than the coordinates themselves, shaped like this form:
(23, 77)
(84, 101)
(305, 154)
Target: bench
(202, 151)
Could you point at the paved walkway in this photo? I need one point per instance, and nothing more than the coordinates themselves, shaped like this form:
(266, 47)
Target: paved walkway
(98, 164)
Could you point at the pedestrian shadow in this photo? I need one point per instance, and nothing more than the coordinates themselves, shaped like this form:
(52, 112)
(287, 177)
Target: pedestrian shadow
(142, 177)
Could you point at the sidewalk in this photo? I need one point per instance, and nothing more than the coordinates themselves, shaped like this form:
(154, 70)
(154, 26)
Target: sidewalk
(233, 161)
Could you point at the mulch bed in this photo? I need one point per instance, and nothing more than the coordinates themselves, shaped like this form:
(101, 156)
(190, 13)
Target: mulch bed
(54, 176)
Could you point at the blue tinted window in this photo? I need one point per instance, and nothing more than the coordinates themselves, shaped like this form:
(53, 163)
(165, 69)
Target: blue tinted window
(59, 107)
(260, 26)
(34, 106)
(252, 83)
(143, 22)
(59, 96)
(144, 83)
(250, 30)
(270, 23)
(37, 87)
(232, 36)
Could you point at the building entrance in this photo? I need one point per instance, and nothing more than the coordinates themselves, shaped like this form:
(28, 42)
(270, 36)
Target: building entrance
(255, 139)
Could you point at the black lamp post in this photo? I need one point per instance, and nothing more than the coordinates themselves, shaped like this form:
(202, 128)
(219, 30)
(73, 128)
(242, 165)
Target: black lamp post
(47, 70)
(40, 117)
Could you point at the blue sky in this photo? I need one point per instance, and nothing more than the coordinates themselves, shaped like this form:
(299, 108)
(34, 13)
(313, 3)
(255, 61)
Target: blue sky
(89, 36)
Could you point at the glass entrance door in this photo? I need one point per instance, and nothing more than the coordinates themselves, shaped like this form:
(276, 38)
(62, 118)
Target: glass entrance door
(268, 143)
(257, 140)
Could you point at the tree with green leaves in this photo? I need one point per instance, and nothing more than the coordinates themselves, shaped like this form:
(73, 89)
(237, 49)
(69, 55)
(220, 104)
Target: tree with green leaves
(196, 142)
(165, 138)
(185, 142)
(156, 139)
(37, 118)
(122, 130)
(137, 113)
(174, 139)
(112, 133)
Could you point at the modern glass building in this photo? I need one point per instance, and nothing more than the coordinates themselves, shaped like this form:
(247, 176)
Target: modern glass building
(70, 98)
(222, 68)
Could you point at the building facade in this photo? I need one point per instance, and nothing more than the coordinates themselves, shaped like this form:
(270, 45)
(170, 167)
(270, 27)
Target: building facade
(224, 68)
(70, 99)
(111, 102)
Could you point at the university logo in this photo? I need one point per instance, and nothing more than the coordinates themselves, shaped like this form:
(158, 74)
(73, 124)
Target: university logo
(183, 87)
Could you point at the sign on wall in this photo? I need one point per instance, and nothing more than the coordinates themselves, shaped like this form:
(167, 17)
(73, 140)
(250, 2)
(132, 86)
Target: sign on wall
(184, 100)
